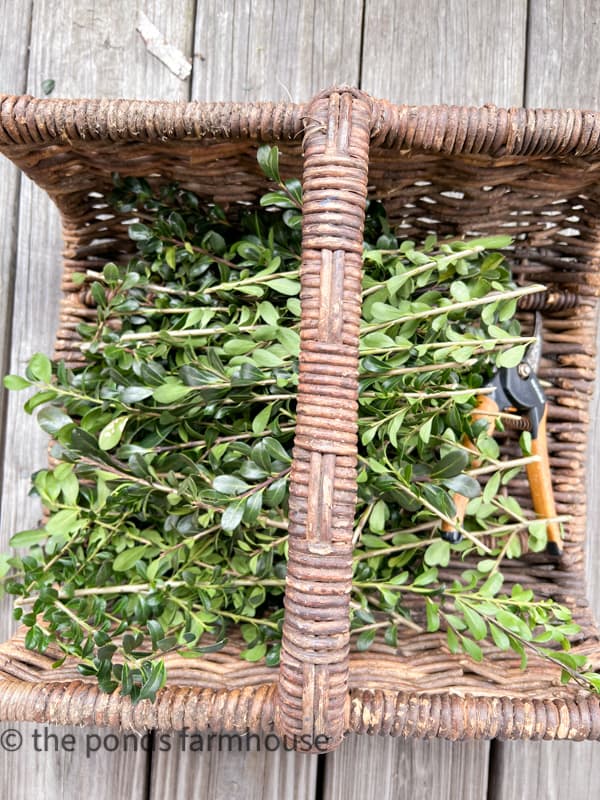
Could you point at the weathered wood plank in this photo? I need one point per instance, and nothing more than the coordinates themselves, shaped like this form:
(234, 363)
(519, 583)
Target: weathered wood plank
(58, 762)
(426, 51)
(423, 51)
(544, 771)
(89, 49)
(253, 775)
(562, 54)
(274, 49)
(92, 49)
(37, 294)
(392, 768)
(562, 72)
(14, 38)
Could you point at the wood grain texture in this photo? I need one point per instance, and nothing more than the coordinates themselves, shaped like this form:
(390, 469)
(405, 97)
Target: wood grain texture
(59, 763)
(562, 72)
(253, 775)
(92, 49)
(445, 51)
(391, 768)
(274, 49)
(544, 771)
(37, 295)
(14, 38)
(562, 54)
(89, 49)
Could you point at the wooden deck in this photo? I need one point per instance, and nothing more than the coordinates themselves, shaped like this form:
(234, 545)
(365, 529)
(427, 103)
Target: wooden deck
(509, 52)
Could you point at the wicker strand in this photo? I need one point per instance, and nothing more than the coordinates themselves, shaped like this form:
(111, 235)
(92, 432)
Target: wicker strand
(313, 685)
(495, 131)
(456, 717)
(30, 120)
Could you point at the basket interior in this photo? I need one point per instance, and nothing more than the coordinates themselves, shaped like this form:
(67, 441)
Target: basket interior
(549, 205)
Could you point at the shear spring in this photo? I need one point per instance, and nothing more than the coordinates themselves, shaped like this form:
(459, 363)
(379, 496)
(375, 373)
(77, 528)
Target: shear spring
(517, 423)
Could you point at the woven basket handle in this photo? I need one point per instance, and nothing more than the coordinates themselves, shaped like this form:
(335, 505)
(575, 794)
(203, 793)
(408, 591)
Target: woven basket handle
(313, 698)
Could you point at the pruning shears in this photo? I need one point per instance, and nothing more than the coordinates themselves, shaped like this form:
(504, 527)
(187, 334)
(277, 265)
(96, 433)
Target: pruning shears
(517, 390)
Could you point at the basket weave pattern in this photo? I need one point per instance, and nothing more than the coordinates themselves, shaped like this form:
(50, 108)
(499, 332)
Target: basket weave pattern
(450, 170)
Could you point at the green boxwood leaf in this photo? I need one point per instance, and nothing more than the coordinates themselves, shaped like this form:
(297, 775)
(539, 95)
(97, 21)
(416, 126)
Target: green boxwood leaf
(278, 199)
(514, 624)
(377, 517)
(475, 622)
(129, 558)
(365, 639)
(500, 639)
(268, 160)
(261, 420)
(28, 538)
(111, 434)
(63, 522)
(133, 394)
(38, 399)
(268, 312)
(275, 493)
(171, 392)
(232, 516)
(492, 242)
(290, 341)
(229, 485)
(48, 85)
(491, 488)
(40, 368)
(525, 442)
(492, 585)
(252, 508)
(425, 430)
(238, 347)
(471, 648)
(426, 577)
(391, 636)
(511, 357)
(463, 484)
(155, 681)
(433, 615)
(139, 232)
(273, 656)
(452, 639)
(276, 450)
(285, 286)
(460, 291)
(438, 552)
(15, 382)
(52, 419)
(254, 653)
(451, 465)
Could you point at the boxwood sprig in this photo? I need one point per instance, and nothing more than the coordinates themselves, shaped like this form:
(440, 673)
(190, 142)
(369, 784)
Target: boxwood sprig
(167, 506)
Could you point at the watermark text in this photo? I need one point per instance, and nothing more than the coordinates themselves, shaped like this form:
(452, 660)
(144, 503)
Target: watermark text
(50, 739)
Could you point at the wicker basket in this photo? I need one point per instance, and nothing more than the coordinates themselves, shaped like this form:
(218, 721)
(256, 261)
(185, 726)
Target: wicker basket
(449, 170)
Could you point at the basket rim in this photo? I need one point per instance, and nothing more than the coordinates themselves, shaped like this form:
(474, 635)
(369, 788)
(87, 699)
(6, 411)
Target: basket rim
(447, 129)
(253, 709)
